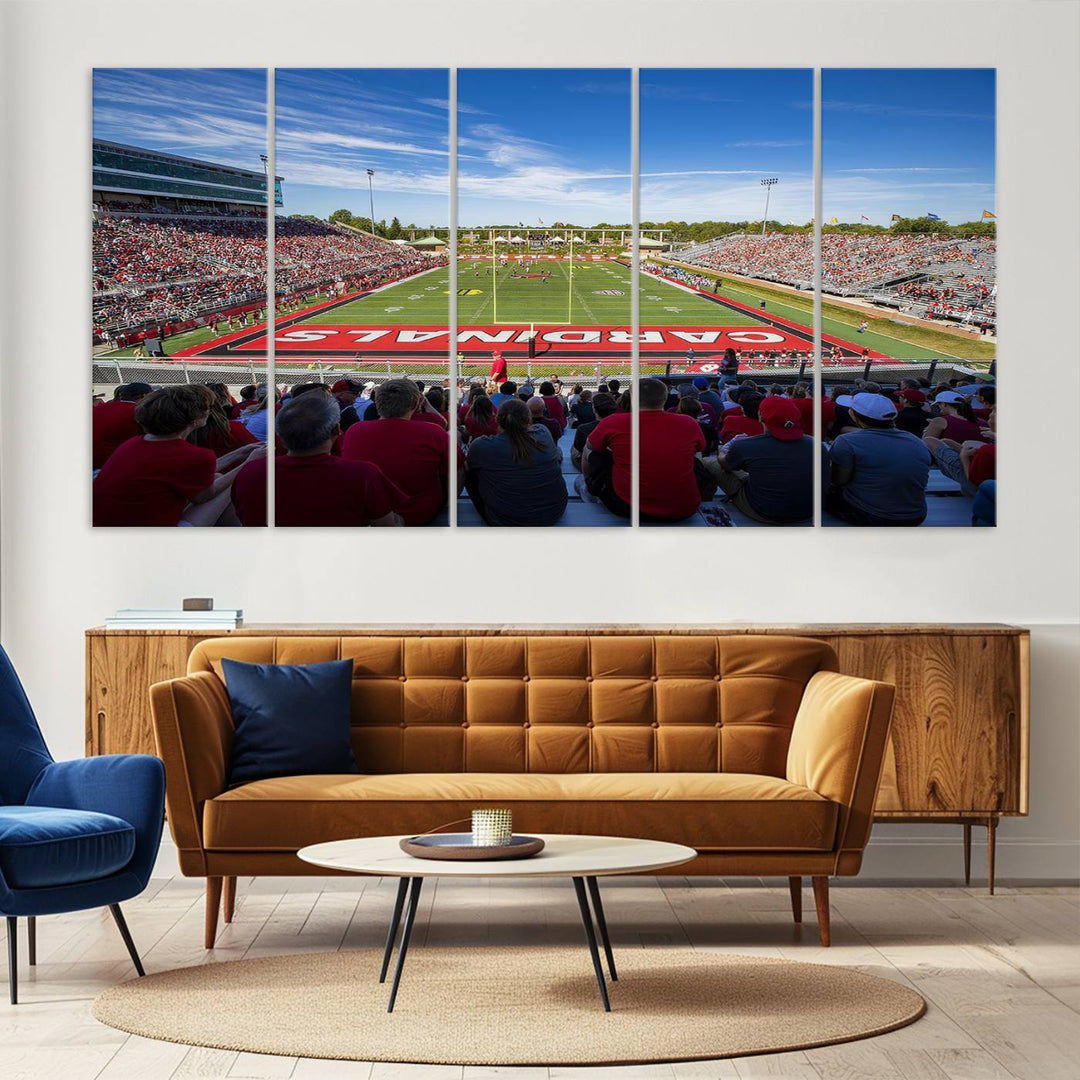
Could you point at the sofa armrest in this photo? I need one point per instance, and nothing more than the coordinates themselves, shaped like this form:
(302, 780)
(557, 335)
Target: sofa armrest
(837, 749)
(128, 786)
(193, 728)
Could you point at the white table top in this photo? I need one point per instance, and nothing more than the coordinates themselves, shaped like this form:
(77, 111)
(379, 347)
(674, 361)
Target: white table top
(563, 856)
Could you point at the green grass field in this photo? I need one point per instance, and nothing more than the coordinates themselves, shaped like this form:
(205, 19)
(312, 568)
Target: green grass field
(599, 294)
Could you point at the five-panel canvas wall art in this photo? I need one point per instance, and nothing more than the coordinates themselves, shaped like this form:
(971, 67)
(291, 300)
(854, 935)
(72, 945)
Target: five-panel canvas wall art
(584, 298)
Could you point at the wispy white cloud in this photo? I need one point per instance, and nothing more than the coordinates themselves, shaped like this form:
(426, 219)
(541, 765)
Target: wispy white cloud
(877, 107)
(598, 87)
(296, 140)
(668, 92)
(905, 169)
(768, 144)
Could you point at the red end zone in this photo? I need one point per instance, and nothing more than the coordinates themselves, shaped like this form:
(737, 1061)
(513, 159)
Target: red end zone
(514, 340)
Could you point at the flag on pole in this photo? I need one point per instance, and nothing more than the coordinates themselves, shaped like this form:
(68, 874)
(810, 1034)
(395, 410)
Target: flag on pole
(988, 216)
(833, 221)
(897, 217)
(932, 217)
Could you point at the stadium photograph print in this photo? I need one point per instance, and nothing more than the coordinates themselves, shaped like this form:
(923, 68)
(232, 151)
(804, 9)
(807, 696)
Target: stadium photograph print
(909, 271)
(544, 295)
(179, 273)
(727, 404)
(776, 355)
(364, 433)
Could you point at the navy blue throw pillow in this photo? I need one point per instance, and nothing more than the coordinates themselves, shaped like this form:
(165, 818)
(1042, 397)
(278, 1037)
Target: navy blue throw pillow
(290, 719)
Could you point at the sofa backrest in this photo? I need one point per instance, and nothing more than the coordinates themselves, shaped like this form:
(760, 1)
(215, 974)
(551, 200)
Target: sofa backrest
(559, 704)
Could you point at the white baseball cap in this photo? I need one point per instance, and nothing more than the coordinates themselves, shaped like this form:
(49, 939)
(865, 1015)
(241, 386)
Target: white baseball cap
(949, 397)
(873, 406)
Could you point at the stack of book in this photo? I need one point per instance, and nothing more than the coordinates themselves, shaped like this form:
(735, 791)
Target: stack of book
(169, 618)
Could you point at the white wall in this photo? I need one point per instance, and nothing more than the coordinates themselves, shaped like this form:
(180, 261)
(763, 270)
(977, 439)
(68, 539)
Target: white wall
(59, 576)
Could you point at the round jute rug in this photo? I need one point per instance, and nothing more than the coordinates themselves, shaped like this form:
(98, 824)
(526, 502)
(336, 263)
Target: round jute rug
(510, 1006)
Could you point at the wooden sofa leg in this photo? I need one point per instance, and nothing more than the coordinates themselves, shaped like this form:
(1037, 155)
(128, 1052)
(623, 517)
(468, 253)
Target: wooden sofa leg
(229, 894)
(795, 885)
(213, 906)
(821, 899)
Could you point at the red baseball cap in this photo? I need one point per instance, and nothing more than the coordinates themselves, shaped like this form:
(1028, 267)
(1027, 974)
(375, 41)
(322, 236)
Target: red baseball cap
(343, 386)
(782, 418)
(916, 397)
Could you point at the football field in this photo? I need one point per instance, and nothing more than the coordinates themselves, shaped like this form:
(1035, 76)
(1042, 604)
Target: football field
(578, 314)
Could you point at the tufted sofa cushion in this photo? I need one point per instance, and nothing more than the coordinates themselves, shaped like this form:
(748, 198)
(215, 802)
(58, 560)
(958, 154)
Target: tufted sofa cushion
(560, 704)
(733, 811)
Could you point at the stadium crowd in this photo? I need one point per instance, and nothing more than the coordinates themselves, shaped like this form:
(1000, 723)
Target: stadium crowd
(849, 260)
(355, 454)
(159, 269)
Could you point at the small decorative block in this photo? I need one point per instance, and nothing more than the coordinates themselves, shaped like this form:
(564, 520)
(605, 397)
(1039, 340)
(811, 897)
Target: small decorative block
(492, 828)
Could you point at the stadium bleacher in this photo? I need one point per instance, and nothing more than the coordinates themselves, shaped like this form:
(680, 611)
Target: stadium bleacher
(880, 267)
(151, 269)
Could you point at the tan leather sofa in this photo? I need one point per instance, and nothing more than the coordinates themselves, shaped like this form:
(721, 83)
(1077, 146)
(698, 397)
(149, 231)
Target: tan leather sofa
(751, 749)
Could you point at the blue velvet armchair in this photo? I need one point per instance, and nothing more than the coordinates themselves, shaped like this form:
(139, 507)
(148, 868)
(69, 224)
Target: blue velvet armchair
(73, 834)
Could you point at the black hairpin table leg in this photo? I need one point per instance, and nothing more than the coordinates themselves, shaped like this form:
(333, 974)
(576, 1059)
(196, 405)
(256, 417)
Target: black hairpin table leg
(403, 948)
(601, 923)
(590, 935)
(395, 922)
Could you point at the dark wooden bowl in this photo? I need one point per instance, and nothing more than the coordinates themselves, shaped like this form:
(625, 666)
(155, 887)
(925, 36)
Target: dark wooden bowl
(459, 847)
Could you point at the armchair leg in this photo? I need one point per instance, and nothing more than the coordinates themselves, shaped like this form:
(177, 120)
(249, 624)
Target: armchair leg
(795, 885)
(821, 900)
(13, 957)
(31, 938)
(213, 906)
(229, 898)
(121, 925)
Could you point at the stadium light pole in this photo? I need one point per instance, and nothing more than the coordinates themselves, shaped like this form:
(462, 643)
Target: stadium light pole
(371, 198)
(767, 185)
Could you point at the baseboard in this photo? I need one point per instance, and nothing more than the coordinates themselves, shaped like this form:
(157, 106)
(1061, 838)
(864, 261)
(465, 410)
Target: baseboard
(937, 858)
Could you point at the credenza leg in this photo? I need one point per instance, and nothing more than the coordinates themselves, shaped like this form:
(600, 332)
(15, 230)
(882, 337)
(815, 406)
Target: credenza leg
(991, 851)
(821, 901)
(213, 906)
(795, 885)
(967, 852)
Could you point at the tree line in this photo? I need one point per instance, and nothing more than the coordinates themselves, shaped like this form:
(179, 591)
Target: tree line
(682, 231)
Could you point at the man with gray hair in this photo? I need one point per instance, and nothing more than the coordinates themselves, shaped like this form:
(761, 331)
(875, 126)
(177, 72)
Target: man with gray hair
(312, 487)
(414, 457)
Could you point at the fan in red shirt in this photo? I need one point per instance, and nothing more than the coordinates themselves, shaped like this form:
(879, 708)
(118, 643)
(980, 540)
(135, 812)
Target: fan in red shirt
(219, 433)
(415, 457)
(161, 479)
(249, 397)
(670, 443)
(480, 418)
(114, 421)
(554, 402)
(498, 367)
(312, 487)
(744, 422)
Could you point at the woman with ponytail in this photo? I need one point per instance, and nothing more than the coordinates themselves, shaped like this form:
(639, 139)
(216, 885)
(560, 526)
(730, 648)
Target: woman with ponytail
(514, 478)
(957, 423)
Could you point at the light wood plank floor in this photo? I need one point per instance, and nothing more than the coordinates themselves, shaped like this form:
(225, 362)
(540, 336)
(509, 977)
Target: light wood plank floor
(1001, 973)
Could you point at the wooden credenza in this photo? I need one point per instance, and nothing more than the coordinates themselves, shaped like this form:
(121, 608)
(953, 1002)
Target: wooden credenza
(959, 748)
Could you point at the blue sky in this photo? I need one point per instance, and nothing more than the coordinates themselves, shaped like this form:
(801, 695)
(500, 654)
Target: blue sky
(908, 142)
(216, 114)
(550, 144)
(709, 136)
(554, 144)
(333, 125)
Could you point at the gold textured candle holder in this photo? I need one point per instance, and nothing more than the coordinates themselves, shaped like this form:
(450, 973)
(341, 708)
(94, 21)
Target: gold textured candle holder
(492, 828)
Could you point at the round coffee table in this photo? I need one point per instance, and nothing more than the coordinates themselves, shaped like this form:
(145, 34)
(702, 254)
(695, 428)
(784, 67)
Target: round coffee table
(582, 858)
